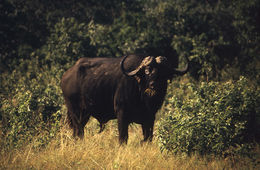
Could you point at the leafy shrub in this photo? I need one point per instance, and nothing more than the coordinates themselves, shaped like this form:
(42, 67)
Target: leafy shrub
(31, 99)
(69, 40)
(25, 120)
(218, 118)
(31, 105)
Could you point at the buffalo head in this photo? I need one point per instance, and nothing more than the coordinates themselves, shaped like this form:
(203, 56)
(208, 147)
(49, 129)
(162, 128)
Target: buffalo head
(152, 71)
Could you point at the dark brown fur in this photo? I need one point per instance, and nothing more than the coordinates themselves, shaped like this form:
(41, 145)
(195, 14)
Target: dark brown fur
(97, 87)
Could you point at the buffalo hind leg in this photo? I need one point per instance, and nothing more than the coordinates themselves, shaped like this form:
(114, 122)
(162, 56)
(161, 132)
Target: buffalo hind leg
(79, 124)
(78, 131)
(74, 124)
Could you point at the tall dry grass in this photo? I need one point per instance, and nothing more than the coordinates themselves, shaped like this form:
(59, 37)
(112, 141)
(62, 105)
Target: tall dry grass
(102, 151)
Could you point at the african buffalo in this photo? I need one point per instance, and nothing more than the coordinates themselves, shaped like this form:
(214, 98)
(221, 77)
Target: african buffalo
(130, 89)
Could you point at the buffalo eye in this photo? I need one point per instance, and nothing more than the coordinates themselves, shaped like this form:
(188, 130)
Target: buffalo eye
(147, 70)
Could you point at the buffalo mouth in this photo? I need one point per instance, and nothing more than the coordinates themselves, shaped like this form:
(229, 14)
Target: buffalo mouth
(150, 92)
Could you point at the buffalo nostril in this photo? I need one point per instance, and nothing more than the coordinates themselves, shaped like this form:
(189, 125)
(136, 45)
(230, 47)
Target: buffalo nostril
(151, 84)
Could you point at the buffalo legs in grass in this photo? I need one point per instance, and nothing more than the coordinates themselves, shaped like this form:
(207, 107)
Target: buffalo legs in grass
(148, 131)
(123, 124)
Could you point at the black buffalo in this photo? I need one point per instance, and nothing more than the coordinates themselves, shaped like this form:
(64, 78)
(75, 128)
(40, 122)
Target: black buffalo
(130, 89)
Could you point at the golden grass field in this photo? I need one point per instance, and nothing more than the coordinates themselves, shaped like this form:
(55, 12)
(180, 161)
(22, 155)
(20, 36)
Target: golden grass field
(102, 151)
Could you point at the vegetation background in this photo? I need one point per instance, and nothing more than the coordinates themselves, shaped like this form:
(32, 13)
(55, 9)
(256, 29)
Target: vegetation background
(210, 118)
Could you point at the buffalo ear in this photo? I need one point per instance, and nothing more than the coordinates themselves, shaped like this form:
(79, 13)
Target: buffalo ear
(161, 60)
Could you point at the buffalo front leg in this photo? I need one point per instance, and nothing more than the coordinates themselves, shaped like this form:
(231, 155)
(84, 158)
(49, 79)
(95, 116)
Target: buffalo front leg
(102, 127)
(148, 131)
(123, 129)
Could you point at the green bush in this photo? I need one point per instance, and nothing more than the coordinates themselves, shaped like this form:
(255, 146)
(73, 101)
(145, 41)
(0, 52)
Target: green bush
(68, 41)
(218, 118)
(30, 105)
(27, 120)
(31, 99)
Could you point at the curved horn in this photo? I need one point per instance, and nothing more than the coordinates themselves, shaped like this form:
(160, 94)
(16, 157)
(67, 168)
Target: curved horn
(146, 61)
(183, 70)
(123, 69)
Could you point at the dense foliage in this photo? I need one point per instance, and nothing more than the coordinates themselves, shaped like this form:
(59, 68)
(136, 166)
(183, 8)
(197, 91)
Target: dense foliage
(31, 105)
(39, 40)
(215, 34)
(219, 118)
